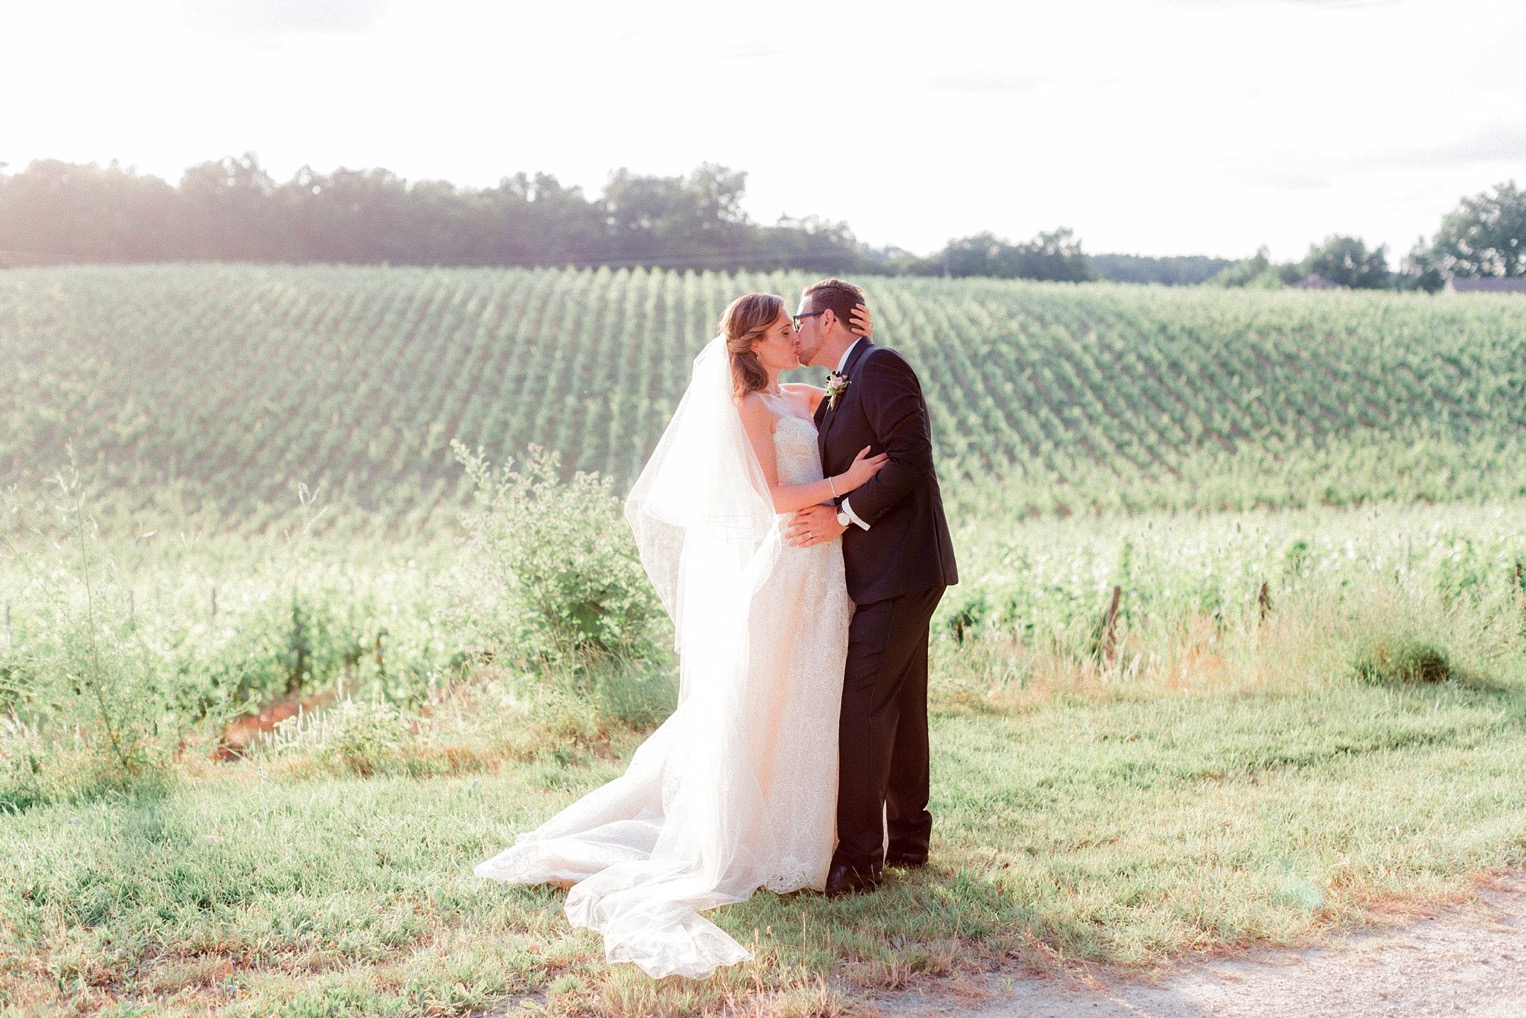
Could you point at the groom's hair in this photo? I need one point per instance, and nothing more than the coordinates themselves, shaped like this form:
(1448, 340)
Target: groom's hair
(836, 294)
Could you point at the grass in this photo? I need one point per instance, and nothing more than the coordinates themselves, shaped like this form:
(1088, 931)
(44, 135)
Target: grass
(1213, 774)
(1070, 833)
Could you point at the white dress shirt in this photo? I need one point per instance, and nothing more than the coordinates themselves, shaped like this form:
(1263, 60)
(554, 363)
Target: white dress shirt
(845, 507)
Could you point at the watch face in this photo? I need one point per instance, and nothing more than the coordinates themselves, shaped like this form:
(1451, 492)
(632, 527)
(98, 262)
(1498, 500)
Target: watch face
(842, 519)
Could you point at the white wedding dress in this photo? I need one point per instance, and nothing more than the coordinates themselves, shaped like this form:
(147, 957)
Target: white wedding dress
(737, 790)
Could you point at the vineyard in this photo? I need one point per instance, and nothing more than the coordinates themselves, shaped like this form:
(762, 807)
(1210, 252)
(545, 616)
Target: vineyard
(220, 390)
(259, 724)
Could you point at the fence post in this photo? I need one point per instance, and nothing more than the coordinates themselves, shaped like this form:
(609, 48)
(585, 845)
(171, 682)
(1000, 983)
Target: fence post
(214, 602)
(1109, 633)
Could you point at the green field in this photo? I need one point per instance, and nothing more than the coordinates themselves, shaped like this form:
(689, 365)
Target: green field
(214, 392)
(1308, 709)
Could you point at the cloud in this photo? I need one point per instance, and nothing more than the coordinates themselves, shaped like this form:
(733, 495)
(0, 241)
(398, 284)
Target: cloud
(1496, 143)
(1281, 178)
(267, 20)
(1317, 4)
(1291, 172)
(987, 83)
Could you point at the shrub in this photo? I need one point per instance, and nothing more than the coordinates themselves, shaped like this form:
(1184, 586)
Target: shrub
(90, 676)
(1403, 663)
(283, 646)
(357, 736)
(564, 584)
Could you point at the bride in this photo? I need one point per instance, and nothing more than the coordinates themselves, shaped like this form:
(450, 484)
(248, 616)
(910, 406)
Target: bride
(737, 790)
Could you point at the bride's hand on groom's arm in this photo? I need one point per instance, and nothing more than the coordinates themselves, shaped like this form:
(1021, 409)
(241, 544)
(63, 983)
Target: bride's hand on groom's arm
(813, 525)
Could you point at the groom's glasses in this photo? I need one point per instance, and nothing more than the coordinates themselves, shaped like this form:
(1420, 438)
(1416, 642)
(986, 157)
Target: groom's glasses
(806, 314)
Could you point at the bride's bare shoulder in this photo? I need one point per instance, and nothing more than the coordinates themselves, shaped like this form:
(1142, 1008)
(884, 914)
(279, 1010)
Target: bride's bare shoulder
(811, 393)
(755, 413)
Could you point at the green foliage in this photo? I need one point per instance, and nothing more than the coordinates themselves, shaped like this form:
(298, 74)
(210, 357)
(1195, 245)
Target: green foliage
(96, 674)
(1124, 832)
(1174, 270)
(1255, 273)
(654, 218)
(359, 736)
(1403, 664)
(571, 588)
(1422, 269)
(1063, 398)
(232, 210)
(1484, 236)
(1345, 261)
(1387, 577)
(279, 646)
(1054, 256)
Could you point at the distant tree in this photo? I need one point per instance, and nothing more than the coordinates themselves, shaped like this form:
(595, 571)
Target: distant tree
(1345, 261)
(232, 209)
(1171, 270)
(1484, 236)
(230, 212)
(1055, 256)
(653, 217)
(1257, 272)
(57, 211)
(980, 255)
(1421, 269)
(821, 245)
(539, 221)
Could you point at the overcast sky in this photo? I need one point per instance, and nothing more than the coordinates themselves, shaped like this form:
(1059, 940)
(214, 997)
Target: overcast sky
(1148, 126)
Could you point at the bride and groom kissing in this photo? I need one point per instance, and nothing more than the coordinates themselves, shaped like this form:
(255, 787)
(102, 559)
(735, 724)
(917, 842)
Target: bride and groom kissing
(796, 536)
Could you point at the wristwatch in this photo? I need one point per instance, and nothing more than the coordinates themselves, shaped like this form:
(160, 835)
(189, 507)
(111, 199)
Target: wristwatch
(842, 519)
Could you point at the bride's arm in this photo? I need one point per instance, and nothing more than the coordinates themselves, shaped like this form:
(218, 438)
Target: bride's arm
(759, 425)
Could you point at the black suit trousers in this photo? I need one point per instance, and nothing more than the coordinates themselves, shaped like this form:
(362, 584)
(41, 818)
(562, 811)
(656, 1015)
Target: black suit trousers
(882, 735)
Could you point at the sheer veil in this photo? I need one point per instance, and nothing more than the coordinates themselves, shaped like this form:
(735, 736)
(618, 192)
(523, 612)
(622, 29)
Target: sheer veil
(701, 509)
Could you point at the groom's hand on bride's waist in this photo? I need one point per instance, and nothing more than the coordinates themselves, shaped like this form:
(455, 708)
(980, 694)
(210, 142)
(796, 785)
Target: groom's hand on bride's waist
(813, 525)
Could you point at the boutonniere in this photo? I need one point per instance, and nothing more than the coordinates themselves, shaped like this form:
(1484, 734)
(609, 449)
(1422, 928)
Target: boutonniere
(837, 384)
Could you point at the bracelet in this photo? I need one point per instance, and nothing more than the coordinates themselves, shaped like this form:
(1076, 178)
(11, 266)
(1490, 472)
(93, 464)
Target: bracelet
(831, 487)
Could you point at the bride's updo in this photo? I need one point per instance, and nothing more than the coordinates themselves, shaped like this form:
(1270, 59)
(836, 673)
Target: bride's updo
(745, 322)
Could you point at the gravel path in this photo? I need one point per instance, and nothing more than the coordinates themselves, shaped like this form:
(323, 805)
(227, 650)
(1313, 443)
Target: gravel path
(1470, 960)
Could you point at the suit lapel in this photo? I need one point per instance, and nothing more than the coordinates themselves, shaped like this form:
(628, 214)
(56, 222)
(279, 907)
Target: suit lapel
(856, 357)
(824, 416)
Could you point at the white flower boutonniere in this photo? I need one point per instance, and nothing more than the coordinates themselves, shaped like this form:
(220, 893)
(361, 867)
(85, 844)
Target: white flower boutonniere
(837, 384)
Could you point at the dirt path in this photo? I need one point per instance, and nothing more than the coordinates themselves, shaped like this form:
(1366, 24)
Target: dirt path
(1469, 960)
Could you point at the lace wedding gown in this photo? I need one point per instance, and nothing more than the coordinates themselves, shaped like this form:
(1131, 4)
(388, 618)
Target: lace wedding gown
(737, 790)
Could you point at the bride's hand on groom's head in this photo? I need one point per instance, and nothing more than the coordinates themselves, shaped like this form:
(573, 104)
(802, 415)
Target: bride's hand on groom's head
(860, 324)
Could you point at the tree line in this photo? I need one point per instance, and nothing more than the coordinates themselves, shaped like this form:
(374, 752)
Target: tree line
(1484, 236)
(232, 209)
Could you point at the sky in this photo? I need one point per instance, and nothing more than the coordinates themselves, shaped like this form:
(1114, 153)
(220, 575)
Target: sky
(1161, 127)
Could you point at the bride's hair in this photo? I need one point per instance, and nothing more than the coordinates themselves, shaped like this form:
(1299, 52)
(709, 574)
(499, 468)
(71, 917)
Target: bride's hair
(744, 323)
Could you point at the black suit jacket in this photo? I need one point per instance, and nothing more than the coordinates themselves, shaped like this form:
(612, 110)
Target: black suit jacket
(907, 546)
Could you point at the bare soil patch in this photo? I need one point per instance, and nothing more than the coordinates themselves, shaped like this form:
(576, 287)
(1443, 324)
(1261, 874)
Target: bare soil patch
(1466, 960)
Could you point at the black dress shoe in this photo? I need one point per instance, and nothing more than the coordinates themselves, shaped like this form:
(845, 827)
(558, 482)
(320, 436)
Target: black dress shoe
(905, 861)
(844, 879)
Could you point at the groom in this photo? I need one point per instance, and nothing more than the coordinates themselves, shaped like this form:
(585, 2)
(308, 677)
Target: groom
(899, 559)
